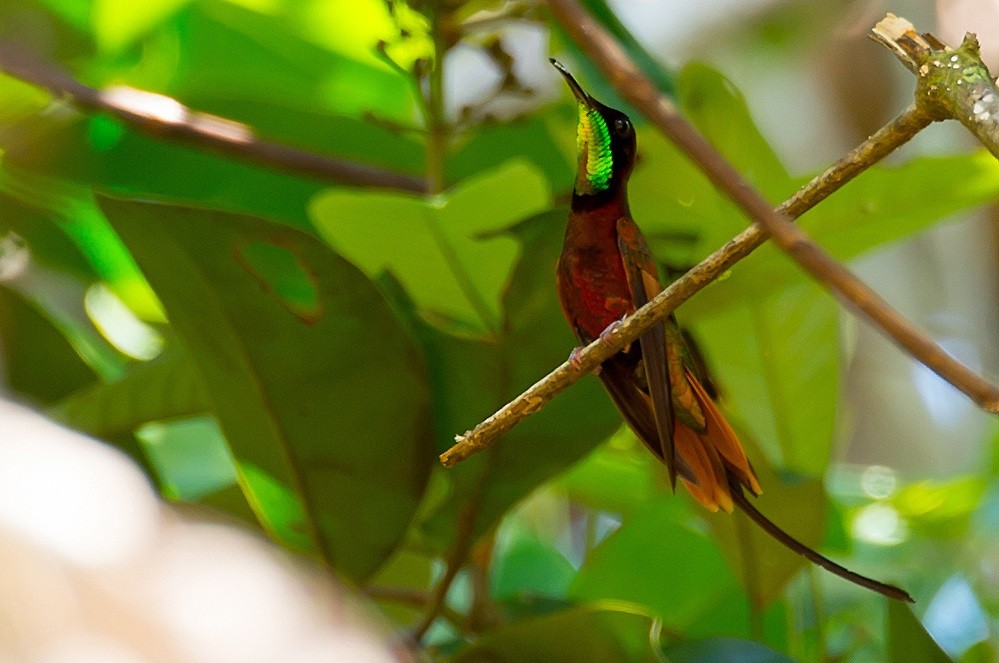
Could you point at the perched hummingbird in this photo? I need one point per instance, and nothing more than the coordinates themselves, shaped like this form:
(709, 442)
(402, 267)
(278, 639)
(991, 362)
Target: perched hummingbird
(606, 272)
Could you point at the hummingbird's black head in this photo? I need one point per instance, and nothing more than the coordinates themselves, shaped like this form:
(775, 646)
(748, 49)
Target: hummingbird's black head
(605, 139)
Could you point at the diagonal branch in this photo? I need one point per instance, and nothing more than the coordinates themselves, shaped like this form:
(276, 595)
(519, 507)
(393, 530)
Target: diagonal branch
(165, 117)
(887, 139)
(632, 85)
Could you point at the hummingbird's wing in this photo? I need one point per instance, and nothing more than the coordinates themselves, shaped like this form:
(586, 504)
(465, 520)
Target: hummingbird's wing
(643, 281)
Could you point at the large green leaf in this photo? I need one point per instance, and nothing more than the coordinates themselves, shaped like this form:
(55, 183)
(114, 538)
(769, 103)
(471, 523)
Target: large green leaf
(777, 360)
(438, 248)
(472, 378)
(118, 23)
(619, 477)
(167, 387)
(680, 210)
(883, 205)
(659, 559)
(908, 641)
(321, 395)
(597, 633)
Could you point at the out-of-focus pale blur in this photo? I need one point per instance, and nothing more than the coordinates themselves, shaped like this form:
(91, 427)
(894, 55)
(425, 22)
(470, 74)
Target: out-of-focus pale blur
(93, 567)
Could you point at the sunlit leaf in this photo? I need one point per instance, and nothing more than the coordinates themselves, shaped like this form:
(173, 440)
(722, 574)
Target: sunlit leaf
(190, 457)
(322, 413)
(117, 23)
(883, 205)
(940, 509)
(685, 216)
(438, 249)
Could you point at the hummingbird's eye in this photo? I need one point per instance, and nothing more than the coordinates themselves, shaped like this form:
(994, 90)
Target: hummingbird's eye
(622, 127)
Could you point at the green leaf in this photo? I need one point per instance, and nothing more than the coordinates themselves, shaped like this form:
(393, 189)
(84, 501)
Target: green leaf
(908, 641)
(797, 505)
(167, 387)
(601, 632)
(730, 650)
(528, 138)
(118, 23)
(472, 378)
(660, 560)
(523, 565)
(326, 414)
(777, 360)
(438, 249)
(404, 571)
(619, 477)
(235, 53)
(679, 209)
(881, 206)
(40, 363)
(190, 458)
(938, 509)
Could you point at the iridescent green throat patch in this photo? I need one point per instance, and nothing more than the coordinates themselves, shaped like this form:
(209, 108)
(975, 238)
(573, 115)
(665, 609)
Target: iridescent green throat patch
(596, 163)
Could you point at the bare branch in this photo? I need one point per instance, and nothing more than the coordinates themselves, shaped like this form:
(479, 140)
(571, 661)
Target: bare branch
(887, 139)
(165, 117)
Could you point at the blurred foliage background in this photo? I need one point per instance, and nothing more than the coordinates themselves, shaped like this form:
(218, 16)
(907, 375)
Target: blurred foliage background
(295, 353)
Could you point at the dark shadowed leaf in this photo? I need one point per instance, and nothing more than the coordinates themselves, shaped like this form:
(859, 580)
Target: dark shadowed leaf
(326, 410)
(40, 364)
(908, 641)
(597, 633)
(167, 387)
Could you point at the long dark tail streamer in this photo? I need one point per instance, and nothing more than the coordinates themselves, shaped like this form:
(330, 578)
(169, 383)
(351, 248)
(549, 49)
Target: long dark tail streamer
(794, 545)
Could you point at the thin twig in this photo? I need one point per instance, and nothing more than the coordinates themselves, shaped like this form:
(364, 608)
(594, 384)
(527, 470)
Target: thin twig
(165, 117)
(635, 88)
(897, 132)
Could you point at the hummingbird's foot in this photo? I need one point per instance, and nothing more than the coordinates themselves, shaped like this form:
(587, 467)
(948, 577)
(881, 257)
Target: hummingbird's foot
(575, 361)
(610, 329)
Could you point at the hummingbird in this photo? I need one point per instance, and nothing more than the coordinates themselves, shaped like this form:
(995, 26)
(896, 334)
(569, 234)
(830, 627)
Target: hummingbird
(605, 273)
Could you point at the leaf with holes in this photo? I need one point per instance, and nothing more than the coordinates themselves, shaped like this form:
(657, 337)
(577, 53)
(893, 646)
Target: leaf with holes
(316, 386)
